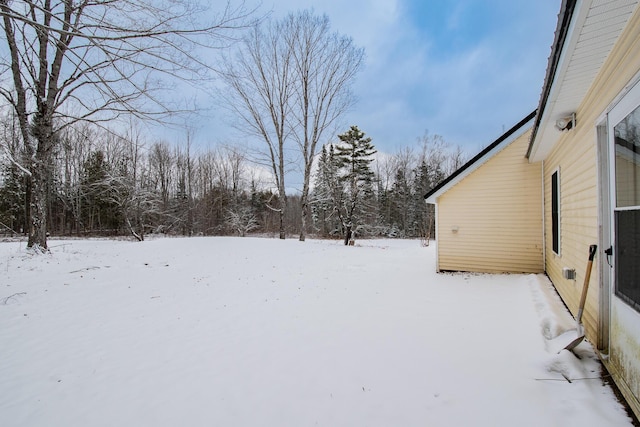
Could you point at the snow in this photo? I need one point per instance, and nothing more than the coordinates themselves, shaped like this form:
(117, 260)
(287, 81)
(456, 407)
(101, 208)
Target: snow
(250, 331)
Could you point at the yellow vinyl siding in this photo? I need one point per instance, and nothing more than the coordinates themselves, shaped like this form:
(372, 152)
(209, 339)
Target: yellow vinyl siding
(578, 221)
(496, 211)
(575, 155)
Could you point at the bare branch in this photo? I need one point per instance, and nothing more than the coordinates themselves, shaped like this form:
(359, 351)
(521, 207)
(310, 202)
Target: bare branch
(101, 59)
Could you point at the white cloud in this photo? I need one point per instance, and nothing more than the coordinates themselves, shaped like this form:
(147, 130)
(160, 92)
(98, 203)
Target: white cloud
(467, 92)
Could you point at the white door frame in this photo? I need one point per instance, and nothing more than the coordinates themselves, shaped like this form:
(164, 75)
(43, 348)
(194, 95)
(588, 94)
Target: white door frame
(604, 236)
(622, 317)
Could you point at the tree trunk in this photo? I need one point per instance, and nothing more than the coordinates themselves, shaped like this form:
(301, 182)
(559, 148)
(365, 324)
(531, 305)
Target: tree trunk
(38, 203)
(347, 235)
(283, 205)
(283, 201)
(303, 225)
(139, 237)
(26, 229)
(141, 228)
(304, 198)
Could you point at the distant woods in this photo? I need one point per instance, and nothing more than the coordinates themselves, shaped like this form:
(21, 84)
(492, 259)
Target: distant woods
(103, 184)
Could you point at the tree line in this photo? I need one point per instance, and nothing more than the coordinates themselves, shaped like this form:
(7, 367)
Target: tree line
(105, 184)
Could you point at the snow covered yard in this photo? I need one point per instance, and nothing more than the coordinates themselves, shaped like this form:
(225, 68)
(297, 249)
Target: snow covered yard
(248, 332)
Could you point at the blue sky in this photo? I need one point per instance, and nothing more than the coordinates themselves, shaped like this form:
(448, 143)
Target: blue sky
(463, 69)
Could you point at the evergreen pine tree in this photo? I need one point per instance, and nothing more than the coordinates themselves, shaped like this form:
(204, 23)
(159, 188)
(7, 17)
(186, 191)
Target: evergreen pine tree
(99, 210)
(12, 194)
(353, 159)
(420, 212)
(400, 198)
(320, 198)
(327, 192)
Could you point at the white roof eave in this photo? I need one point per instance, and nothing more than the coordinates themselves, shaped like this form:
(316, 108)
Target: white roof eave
(567, 92)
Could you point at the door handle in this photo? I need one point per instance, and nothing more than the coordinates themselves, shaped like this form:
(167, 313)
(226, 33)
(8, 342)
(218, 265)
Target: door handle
(609, 253)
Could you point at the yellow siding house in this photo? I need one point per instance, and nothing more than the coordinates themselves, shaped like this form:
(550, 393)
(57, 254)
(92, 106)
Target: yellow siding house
(585, 142)
(488, 213)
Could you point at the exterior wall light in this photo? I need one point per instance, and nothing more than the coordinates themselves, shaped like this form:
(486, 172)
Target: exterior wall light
(566, 123)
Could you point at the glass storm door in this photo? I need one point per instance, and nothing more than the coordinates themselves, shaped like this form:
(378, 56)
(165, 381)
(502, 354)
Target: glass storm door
(624, 122)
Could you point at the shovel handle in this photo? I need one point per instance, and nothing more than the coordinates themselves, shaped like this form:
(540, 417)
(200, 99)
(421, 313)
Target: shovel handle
(585, 287)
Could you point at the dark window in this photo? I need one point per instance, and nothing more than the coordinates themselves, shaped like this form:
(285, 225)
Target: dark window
(627, 215)
(555, 211)
(627, 256)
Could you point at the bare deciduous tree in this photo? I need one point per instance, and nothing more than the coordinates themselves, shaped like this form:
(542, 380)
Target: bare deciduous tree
(325, 65)
(78, 60)
(260, 83)
(242, 220)
(290, 83)
(161, 163)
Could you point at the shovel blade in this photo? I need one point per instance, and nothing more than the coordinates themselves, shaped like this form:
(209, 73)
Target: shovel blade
(573, 344)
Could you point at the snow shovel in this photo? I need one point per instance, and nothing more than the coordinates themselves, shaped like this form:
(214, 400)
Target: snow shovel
(583, 299)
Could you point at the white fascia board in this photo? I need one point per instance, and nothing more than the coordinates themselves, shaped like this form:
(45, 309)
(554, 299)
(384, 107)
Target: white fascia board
(433, 199)
(547, 135)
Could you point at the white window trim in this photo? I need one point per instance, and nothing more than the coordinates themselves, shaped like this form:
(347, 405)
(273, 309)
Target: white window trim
(559, 197)
(628, 101)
